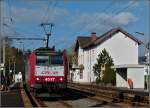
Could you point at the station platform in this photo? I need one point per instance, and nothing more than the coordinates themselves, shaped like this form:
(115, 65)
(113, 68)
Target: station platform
(15, 97)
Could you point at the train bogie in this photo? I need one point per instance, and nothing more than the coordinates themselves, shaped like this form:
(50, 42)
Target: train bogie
(49, 89)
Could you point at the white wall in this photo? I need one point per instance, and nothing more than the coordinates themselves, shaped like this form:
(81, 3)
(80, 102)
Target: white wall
(75, 76)
(122, 49)
(137, 76)
(84, 59)
(80, 54)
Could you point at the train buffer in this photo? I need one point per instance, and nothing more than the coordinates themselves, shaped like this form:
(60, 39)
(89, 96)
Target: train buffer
(13, 98)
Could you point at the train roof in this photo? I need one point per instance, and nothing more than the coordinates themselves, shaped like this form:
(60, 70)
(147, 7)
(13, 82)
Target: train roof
(46, 51)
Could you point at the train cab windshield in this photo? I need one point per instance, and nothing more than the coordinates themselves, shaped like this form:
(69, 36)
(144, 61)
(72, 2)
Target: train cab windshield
(49, 60)
(56, 60)
(42, 60)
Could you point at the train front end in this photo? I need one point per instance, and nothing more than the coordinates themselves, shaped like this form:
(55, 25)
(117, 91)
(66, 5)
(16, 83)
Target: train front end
(49, 74)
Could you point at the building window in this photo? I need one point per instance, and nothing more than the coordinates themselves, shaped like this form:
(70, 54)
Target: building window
(81, 74)
(88, 56)
(83, 58)
(93, 55)
(79, 59)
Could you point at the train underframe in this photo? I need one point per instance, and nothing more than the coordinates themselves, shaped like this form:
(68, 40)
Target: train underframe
(49, 89)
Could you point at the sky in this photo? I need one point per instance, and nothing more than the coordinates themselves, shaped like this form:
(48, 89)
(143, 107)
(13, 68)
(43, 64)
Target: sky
(72, 18)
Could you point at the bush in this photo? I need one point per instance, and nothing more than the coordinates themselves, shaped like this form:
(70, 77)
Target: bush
(109, 75)
(103, 65)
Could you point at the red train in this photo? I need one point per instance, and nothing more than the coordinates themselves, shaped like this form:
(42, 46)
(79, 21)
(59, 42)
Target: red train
(46, 72)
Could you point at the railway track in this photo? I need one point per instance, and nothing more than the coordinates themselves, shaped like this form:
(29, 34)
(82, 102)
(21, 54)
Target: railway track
(103, 100)
(40, 102)
(54, 102)
(65, 104)
(90, 98)
(78, 98)
(115, 95)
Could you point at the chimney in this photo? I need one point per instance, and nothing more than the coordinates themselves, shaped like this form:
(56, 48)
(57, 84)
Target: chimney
(93, 36)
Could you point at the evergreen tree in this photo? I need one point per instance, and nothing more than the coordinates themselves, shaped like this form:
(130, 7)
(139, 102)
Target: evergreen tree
(102, 69)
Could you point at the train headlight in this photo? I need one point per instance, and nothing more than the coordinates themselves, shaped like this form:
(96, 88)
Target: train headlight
(46, 79)
(37, 79)
(61, 79)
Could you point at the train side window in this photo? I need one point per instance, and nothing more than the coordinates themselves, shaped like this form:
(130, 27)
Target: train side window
(42, 60)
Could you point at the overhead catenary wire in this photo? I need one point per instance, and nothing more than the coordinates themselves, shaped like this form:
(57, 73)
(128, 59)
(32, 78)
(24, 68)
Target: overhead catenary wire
(105, 21)
(25, 46)
(16, 33)
(12, 28)
(108, 6)
(21, 40)
(104, 10)
(46, 11)
(10, 11)
(9, 26)
(52, 13)
(46, 16)
(10, 17)
(47, 26)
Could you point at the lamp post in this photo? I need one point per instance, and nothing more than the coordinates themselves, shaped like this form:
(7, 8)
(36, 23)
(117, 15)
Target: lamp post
(147, 65)
(13, 60)
(14, 70)
(146, 46)
(148, 54)
(9, 65)
(10, 60)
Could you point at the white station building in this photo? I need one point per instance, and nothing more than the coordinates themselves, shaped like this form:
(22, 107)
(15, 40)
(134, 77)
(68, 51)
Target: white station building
(121, 46)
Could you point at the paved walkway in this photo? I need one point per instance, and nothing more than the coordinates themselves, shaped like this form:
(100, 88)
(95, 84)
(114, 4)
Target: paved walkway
(12, 98)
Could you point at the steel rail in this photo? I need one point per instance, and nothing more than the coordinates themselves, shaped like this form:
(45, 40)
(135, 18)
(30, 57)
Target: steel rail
(120, 96)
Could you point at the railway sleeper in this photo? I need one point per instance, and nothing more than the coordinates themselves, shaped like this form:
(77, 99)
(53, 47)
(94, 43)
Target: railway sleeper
(109, 93)
(146, 99)
(117, 96)
(135, 101)
(137, 104)
(95, 91)
(113, 96)
(108, 101)
(101, 99)
(114, 99)
(64, 103)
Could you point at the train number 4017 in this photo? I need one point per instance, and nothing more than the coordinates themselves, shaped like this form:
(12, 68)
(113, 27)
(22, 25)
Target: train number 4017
(50, 79)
